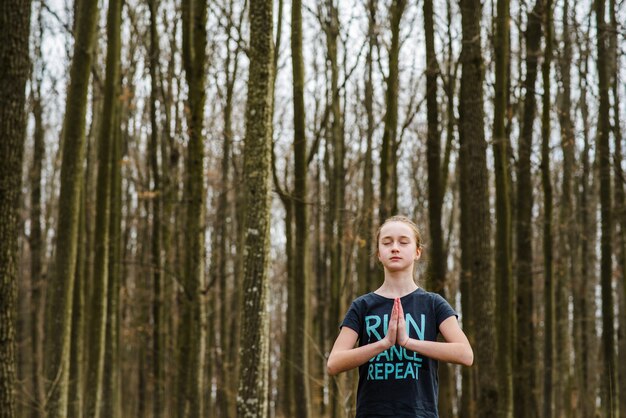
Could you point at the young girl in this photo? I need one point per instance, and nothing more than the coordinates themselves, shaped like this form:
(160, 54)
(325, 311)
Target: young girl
(396, 327)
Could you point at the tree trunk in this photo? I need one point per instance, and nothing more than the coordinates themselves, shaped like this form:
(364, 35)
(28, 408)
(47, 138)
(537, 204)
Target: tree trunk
(388, 158)
(475, 219)
(301, 322)
(549, 332)
(158, 295)
(97, 337)
(192, 341)
(366, 246)
(609, 380)
(78, 349)
(504, 285)
(252, 394)
(567, 265)
(13, 76)
(525, 402)
(111, 396)
(73, 140)
(437, 264)
(584, 305)
(37, 249)
(620, 204)
(336, 172)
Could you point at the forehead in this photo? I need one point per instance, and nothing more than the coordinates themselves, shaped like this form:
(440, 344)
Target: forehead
(396, 229)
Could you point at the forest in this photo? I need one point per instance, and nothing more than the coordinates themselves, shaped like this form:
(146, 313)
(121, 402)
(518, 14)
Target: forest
(190, 192)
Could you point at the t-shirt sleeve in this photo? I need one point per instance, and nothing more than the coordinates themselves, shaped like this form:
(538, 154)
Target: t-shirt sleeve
(443, 310)
(353, 318)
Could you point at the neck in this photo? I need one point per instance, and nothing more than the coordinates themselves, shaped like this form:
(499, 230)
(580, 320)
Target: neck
(397, 283)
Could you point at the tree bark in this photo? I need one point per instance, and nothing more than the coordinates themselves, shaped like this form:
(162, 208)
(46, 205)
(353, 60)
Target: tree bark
(567, 228)
(97, 338)
(15, 24)
(301, 323)
(609, 394)
(366, 246)
(475, 219)
(388, 158)
(620, 203)
(252, 394)
(37, 244)
(192, 341)
(73, 140)
(525, 400)
(549, 332)
(436, 191)
(158, 295)
(112, 391)
(504, 285)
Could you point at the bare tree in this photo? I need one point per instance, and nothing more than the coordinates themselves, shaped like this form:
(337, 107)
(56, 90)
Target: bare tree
(252, 399)
(73, 142)
(13, 76)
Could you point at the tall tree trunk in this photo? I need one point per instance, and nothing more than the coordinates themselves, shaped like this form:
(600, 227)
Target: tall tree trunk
(112, 392)
(252, 394)
(288, 405)
(301, 328)
(287, 392)
(365, 274)
(37, 245)
(62, 284)
(475, 219)
(437, 265)
(13, 76)
(549, 332)
(97, 337)
(584, 306)
(158, 295)
(228, 325)
(567, 265)
(525, 402)
(504, 285)
(620, 204)
(321, 287)
(169, 167)
(336, 147)
(78, 349)
(193, 330)
(609, 392)
(388, 157)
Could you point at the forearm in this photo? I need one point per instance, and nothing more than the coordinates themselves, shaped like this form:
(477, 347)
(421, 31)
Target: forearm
(457, 353)
(343, 360)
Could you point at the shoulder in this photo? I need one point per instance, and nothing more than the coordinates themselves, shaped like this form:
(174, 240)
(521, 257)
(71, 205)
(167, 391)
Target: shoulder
(433, 297)
(364, 299)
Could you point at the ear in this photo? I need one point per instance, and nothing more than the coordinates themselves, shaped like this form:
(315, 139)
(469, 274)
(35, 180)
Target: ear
(418, 253)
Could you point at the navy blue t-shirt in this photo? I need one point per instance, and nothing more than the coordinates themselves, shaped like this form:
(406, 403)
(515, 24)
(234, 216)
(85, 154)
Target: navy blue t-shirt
(398, 382)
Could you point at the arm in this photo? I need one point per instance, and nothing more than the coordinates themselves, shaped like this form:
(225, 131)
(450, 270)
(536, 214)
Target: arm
(344, 356)
(456, 349)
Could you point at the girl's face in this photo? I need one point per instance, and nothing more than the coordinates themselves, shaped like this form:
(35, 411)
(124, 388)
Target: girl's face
(397, 249)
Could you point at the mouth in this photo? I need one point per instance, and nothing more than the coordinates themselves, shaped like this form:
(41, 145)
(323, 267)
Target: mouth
(395, 258)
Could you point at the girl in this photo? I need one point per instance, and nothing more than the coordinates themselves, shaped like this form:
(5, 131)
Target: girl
(396, 327)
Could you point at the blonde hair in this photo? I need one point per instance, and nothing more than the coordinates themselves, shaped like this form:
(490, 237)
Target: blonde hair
(406, 220)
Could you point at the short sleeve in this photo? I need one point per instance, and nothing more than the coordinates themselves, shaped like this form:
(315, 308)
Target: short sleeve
(443, 310)
(353, 318)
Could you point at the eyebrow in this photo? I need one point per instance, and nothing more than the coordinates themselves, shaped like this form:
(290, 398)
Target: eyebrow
(391, 236)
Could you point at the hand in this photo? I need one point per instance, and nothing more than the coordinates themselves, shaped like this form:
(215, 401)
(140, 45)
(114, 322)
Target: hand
(401, 335)
(392, 330)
